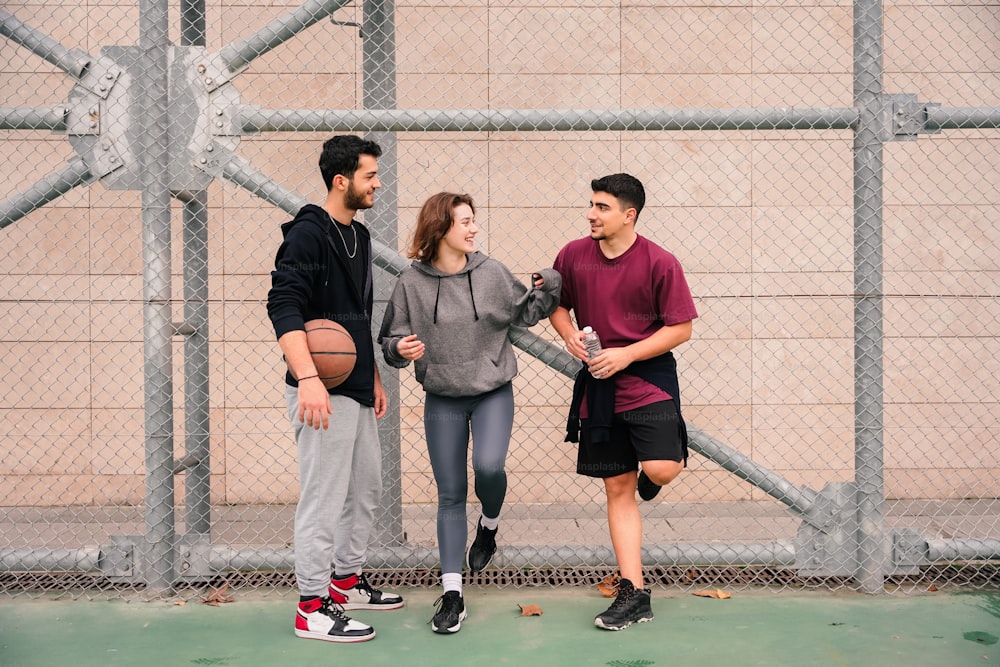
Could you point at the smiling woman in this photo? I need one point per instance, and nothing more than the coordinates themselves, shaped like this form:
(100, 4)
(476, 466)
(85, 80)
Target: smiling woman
(450, 314)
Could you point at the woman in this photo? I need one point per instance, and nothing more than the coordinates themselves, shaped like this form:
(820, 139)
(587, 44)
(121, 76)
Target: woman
(449, 313)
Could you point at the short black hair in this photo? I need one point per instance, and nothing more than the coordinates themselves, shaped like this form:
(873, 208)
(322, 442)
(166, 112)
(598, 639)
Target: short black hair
(625, 188)
(341, 155)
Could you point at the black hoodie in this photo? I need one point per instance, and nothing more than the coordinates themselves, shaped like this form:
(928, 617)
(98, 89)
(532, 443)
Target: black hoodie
(312, 280)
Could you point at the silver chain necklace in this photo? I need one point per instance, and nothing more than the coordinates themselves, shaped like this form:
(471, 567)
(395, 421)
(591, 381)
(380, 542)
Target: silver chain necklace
(336, 225)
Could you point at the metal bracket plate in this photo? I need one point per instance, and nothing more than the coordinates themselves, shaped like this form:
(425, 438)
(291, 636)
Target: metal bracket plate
(908, 117)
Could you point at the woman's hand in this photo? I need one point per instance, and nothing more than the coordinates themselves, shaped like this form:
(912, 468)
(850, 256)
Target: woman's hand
(410, 348)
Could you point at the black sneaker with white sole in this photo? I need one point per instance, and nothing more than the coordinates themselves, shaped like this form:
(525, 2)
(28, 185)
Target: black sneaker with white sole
(482, 549)
(632, 605)
(647, 489)
(450, 613)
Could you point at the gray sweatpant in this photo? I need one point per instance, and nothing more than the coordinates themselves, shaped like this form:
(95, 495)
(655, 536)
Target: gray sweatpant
(340, 482)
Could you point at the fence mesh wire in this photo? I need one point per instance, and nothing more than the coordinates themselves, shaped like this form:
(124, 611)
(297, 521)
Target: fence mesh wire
(148, 161)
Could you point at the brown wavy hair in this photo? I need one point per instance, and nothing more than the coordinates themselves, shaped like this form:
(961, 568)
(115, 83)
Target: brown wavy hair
(433, 222)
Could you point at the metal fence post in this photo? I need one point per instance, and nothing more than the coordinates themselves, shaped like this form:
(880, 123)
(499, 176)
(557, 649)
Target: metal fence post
(378, 37)
(156, 553)
(868, 302)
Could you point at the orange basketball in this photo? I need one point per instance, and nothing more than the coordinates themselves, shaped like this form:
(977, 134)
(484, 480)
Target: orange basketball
(332, 350)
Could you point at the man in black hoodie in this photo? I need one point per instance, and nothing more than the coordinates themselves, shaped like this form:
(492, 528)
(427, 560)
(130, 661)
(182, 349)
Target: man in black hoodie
(323, 269)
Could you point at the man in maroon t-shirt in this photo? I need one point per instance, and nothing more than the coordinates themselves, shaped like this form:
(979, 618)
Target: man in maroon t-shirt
(634, 295)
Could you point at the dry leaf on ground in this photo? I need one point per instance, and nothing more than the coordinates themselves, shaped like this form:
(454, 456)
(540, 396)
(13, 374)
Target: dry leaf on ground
(609, 587)
(718, 594)
(218, 596)
(530, 610)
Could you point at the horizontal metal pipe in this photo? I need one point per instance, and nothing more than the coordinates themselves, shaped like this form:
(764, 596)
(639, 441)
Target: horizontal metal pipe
(71, 61)
(251, 119)
(943, 118)
(963, 549)
(50, 560)
(53, 118)
(781, 553)
(277, 32)
(51, 187)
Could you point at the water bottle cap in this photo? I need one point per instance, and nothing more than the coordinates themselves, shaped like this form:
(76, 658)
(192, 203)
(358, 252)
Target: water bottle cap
(588, 330)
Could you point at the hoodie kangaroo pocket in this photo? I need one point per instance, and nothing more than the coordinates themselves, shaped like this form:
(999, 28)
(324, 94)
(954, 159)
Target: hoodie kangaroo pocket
(466, 378)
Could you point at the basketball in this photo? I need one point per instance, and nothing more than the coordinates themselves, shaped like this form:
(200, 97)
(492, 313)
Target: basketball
(332, 350)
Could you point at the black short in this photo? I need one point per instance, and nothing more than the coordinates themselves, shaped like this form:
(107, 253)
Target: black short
(649, 433)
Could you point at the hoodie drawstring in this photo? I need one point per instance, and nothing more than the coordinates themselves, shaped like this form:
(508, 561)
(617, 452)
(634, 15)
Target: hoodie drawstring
(437, 297)
(472, 295)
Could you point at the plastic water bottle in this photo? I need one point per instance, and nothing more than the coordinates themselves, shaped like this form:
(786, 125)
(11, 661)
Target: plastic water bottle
(591, 342)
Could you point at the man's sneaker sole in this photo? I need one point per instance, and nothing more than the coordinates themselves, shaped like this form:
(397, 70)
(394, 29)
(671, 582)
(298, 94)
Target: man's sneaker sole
(453, 629)
(349, 639)
(600, 624)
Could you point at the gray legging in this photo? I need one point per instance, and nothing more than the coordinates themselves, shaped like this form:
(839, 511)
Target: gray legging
(446, 425)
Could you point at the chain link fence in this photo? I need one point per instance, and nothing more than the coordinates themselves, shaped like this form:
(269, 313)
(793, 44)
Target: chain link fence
(826, 172)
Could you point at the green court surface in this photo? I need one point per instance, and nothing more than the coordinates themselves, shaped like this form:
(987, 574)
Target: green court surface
(750, 628)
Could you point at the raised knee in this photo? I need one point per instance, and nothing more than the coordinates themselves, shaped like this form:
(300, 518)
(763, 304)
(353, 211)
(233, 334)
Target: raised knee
(663, 472)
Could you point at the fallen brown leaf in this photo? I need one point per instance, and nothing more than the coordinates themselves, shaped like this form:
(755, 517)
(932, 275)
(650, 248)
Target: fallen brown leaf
(718, 594)
(530, 610)
(180, 603)
(218, 596)
(932, 588)
(609, 587)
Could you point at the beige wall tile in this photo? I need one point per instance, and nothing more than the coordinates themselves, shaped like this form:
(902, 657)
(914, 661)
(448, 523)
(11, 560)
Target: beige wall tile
(802, 238)
(547, 40)
(798, 371)
(802, 173)
(49, 241)
(687, 39)
(941, 482)
(945, 172)
(119, 441)
(669, 90)
(45, 441)
(956, 38)
(683, 170)
(118, 374)
(442, 40)
(444, 90)
(773, 90)
(802, 39)
(31, 370)
(45, 490)
(45, 321)
(427, 166)
(716, 371)
(942, 370)
(817, 317)
(317, 90)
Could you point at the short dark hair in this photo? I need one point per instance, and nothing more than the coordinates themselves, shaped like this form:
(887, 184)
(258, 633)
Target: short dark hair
(341, 155)
(625, 188)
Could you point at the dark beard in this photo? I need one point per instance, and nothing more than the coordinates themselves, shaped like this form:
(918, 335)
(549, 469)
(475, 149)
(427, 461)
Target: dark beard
(355, 200)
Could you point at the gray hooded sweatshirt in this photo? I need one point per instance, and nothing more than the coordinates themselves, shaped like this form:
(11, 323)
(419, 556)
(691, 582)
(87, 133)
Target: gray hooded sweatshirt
(462, 319)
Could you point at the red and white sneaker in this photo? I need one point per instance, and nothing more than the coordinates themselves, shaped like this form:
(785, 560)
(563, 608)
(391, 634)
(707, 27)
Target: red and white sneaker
(323, 619)
(356, 593)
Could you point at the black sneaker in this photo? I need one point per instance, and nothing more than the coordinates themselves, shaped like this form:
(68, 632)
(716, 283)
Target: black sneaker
(450, 613)
(482, 549)
(631, 606)
(647, 490)
(322, 619)
(356, 593)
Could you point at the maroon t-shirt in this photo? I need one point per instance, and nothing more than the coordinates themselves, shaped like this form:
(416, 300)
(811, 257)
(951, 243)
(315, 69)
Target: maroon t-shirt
(625, 300)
